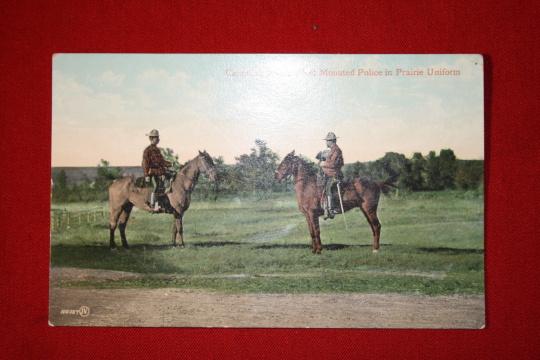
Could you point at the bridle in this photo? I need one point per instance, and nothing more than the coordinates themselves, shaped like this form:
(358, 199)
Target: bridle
(205, 167)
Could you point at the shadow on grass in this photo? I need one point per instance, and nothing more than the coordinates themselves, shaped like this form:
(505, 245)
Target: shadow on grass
(450, 251)
(138, 258)
(282, 246)
(213, 244)
(330, 247)
(150, 247)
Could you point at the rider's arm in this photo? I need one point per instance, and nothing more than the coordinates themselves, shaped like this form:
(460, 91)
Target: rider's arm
(145, 162)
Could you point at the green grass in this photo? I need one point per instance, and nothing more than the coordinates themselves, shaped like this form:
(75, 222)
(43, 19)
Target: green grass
(431, 243)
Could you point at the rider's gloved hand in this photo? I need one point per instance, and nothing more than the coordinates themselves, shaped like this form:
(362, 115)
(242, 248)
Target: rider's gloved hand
(147, 179)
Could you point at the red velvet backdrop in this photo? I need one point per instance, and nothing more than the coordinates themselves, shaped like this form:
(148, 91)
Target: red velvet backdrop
(506, 32)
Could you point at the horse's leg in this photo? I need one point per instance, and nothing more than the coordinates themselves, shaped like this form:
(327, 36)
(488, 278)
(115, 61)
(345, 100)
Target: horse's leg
(114, 214)
(178, 231)
(173, 232)
(311, 232)
(317, 234)
(122, 223)
(371, 216)
(377, 230)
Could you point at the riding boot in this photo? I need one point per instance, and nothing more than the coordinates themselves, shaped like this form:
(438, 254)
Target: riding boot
(152, 199)
(329, 212)
(168, 186)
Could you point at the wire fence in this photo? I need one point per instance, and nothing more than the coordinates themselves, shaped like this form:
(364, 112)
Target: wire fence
(64, 219)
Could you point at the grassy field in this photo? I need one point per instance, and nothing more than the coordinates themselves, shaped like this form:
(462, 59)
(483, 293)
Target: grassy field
(431, 243)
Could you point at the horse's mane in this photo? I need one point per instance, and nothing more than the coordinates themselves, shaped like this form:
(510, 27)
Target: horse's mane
(186, 165)
(204, 155)
(310, 168)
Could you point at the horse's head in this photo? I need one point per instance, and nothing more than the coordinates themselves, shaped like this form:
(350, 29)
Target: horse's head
(286, 167)
(206, 165)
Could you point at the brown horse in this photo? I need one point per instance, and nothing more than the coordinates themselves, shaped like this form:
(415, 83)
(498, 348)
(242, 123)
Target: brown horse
(124, 194)
(359, 192)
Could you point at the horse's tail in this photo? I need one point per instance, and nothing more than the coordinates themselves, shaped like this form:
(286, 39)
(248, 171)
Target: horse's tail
(388, 184)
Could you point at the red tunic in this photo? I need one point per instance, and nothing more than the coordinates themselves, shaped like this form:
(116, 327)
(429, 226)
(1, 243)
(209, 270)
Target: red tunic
(153, 162)
(334, 162)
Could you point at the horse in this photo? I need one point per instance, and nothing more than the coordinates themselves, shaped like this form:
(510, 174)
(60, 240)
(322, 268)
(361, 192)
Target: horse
(359, 192)
(124, 194)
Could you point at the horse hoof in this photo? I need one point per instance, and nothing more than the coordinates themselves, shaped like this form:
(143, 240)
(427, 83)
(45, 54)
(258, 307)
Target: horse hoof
(113, 249)
(375, 251)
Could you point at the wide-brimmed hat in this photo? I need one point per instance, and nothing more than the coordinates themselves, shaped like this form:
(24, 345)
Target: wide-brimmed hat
(330, 136)
(153, 133)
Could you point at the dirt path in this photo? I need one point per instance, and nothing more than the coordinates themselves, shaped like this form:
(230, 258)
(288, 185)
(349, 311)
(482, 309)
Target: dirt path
(196, 308)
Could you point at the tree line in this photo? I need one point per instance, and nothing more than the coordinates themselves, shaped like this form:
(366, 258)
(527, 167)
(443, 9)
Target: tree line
(253, 174)
(431, 172)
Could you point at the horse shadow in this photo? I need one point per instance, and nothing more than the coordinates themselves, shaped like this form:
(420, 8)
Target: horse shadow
(150, 247)
(450, 251)
(210, 244)
(329, 247)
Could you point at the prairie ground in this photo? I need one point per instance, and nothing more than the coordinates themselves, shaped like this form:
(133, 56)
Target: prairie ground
(247, 262)
(431, 243)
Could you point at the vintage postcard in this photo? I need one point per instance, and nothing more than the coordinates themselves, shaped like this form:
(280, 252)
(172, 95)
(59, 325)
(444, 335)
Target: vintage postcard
(267, 190)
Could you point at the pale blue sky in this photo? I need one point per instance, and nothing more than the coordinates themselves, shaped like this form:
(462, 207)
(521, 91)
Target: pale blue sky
(104, 104)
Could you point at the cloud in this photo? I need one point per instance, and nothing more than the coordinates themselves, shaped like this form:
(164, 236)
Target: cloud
(110, 78)
(107, 112)
(78, 104)
(163, 78)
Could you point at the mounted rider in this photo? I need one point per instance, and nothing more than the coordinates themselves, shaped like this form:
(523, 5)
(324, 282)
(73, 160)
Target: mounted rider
(155, 166)
(332, 163)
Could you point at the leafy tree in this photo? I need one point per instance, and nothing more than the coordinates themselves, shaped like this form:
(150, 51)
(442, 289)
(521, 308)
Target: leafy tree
(256, 169)
(406, 177)
(60, 189)
(106, 174)
(433, 173)
(389, 166)
(357, 169)
(447, 168)
(170, 156)
(61, 180)
(417, 172)
(469, 174)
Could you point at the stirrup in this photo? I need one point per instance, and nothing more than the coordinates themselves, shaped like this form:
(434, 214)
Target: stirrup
(328, 214)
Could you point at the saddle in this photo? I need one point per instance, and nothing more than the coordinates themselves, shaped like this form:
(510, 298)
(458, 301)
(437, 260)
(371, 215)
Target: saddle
(163, 187)
(322, 187)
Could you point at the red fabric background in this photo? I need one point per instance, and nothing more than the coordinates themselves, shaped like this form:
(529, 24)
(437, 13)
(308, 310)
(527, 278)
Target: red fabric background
(506, 32)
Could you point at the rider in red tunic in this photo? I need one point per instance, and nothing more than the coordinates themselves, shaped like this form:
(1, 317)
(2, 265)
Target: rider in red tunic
(154, 165)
